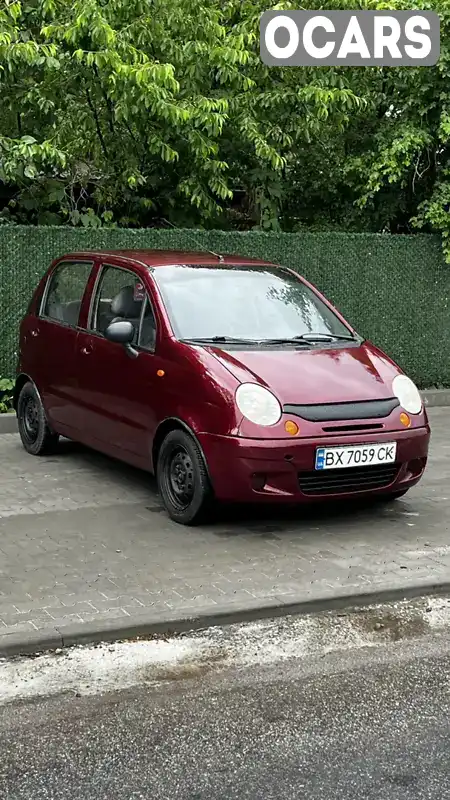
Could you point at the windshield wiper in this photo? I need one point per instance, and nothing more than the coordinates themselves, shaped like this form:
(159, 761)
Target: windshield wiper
(287, 340)
(315, 337)
(220, 340)
(302, 340)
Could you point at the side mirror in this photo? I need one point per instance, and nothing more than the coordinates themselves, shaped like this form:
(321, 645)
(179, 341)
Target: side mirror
(122, 332)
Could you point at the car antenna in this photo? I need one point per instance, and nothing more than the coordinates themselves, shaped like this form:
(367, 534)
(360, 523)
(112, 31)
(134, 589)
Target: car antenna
(197, 244)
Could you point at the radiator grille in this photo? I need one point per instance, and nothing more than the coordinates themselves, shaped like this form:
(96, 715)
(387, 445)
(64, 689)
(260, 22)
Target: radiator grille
(341, 481)
(350, 428)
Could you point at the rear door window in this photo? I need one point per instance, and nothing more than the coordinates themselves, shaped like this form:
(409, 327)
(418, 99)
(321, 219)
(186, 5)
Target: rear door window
(64, 292)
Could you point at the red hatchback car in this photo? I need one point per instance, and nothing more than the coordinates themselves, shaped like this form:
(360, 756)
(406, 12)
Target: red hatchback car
(231, 379)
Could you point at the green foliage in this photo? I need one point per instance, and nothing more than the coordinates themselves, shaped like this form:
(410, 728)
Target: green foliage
(128, 112)
(388, 168)
(394, 289)
(132, 110)
(398, 165)
(6, 395)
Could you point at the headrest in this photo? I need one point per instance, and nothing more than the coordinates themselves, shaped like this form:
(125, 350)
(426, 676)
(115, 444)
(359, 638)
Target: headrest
(124, 304)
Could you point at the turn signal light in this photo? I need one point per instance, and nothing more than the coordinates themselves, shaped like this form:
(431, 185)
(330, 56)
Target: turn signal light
(405, 420)
(291, 427)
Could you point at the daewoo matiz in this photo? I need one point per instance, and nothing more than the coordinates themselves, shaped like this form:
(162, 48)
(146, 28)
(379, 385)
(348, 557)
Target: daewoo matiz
(231, 379)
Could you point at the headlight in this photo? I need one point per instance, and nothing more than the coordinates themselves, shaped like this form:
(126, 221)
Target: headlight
(257, 404)
(408, 394)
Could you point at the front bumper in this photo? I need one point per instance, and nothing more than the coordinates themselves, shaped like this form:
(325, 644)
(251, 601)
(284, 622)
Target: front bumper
(282, 470)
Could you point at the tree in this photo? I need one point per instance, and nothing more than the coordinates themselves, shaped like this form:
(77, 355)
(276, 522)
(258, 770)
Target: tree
(389, 169)
(133, 110)
(129, 112)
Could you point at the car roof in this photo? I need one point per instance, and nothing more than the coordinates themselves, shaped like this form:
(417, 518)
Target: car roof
(159, 258)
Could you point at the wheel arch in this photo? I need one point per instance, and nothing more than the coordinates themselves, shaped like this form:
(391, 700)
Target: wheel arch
(21, 380)
(165, 427)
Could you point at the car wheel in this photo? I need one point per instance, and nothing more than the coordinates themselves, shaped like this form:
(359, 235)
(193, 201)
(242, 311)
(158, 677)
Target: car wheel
(36, 436)
(183, 480)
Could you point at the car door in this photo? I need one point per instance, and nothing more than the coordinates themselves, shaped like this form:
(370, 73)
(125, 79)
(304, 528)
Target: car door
(116, 392)
(53, 335)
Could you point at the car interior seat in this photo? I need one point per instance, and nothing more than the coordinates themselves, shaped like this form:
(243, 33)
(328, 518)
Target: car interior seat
(124, 306)
(72, 312)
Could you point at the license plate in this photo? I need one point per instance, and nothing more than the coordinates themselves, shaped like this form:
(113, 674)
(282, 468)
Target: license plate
(355, 456)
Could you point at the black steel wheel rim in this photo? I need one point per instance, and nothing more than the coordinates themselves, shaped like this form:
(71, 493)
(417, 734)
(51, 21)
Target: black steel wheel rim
(30, 418)
(180, 479)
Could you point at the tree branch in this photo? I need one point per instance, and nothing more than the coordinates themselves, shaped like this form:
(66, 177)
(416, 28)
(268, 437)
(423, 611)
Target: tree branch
(97, 123)
(108, 102)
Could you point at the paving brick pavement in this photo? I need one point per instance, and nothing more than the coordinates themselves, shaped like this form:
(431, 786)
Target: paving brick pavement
(83, 539)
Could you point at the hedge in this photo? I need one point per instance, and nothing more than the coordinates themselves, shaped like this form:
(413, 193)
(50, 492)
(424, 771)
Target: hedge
(395, 290)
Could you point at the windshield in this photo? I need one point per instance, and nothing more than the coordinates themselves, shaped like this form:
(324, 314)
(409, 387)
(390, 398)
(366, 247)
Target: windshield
(244, 302)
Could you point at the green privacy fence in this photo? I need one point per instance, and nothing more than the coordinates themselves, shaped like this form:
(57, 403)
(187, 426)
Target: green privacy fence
(394, 289)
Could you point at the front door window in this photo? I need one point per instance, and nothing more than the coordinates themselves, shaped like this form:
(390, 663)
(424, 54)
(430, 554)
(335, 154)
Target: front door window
(122, 296)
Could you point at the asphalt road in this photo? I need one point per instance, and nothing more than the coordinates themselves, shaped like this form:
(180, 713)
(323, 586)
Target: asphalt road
(363, 724)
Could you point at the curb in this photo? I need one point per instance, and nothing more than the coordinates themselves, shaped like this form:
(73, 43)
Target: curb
(145, 625)
(433, 398)
(8, 423)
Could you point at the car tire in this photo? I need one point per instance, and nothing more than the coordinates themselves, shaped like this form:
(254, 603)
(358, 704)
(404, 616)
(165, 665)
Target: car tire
(182, 479)
(37, 437)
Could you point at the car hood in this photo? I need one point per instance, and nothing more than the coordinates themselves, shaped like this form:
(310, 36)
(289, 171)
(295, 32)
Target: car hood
(322, 375)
